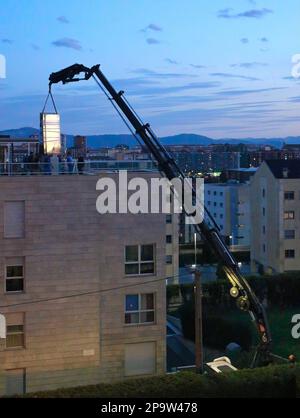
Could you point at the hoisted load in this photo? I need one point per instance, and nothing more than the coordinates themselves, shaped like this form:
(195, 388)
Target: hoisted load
(50, 129)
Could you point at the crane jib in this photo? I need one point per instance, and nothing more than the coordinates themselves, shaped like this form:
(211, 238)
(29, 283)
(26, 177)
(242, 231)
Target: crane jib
(246, 298)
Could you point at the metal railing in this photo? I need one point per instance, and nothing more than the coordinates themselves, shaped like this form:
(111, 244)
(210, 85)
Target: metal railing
(74, 167)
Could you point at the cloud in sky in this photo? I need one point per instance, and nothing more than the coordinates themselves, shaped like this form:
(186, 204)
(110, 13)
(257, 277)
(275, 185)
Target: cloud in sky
(7, 41)
(153, 41)
(153, 27)
(198, 66)
(68, 43)
(63, 19)
(245, 40)
(264, 39)
(253, 13)
(230, 75)
(35, 47)
(249, 65)
(171, 61)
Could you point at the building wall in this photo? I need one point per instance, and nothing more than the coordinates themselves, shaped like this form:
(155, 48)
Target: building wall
(268, 242)
(69, 248)
(229, 205)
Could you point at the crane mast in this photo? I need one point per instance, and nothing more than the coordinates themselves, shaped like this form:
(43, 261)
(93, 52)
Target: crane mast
(241, 290)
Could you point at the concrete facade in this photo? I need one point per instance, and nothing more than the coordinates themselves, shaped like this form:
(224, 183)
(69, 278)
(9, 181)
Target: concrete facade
(275, 220)
(229, 205)
(69, 248)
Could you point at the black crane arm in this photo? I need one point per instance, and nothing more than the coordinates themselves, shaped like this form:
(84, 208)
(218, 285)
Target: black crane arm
(241, 290)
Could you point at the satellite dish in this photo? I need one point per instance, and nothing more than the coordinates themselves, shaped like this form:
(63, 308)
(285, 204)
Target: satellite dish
(2, 326)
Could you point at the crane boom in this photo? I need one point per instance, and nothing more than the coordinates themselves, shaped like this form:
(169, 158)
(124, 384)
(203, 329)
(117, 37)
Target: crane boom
(241, 290)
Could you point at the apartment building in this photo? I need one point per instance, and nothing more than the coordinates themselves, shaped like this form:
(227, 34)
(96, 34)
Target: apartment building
(275, 216)
(83, 294)
(229, 205)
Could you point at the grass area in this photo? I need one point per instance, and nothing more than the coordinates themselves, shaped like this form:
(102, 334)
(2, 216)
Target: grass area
(280, 323)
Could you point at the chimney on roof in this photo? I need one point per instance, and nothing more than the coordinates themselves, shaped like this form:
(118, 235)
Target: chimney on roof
(285, 173)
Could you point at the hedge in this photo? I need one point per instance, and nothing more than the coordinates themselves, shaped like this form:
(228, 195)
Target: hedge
(280, 290)
(268, 382)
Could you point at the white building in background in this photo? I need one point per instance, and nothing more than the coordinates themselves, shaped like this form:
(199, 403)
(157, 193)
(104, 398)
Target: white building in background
(275, 216)
(50, 132)
(229, 205)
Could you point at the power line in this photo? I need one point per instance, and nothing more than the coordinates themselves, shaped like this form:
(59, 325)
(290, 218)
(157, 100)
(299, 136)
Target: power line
(94, 292)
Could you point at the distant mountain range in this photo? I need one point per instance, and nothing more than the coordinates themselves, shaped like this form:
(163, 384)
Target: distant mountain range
(98, 141)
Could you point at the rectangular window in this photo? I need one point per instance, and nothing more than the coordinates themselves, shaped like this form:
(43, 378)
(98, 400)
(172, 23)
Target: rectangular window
(289, 234)
(289, 253)
(139, 259)
(169, 219)
(139, 309)
(140, 359)
(14, 219)
(289, 195)
(14, 275)
(169, 239)
(264, 211)
(169, 259)
(289, 214)
(264, 230)
(15, 333)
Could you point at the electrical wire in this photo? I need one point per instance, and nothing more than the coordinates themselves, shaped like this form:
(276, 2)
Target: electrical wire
(94, 292)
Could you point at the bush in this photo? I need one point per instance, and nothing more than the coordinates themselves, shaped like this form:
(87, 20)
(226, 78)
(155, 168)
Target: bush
(269, 382)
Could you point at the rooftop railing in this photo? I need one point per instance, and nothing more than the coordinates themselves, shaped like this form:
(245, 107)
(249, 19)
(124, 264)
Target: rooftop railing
(74, 167)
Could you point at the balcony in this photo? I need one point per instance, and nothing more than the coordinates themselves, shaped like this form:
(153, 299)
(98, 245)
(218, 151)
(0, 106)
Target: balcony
(74, 168)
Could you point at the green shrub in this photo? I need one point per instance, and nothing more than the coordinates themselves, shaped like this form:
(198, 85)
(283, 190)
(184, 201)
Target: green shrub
(269, 382)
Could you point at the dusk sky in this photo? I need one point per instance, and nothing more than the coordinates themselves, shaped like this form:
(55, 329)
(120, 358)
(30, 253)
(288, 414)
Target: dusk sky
(219, 68)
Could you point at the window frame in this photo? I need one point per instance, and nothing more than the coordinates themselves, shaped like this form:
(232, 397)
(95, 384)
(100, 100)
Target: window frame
(139, 261)
(286, 237)
(291, 250)
(16, 347)
(287, 213)
(6, 278)
(141, 311)
(288, 194)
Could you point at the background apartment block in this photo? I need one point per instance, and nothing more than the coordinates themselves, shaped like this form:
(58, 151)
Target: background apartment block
(229, 205)
(275, 216)
(54, 244)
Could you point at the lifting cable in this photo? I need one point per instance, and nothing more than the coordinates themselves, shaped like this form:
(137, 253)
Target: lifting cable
(52, 99)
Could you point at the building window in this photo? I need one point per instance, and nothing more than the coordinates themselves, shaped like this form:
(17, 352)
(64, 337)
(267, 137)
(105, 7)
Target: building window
(139, 309)
(289, 195)
(221, 193)
(264, 230)
(221, 205)
(14, 275)
(14, 219)
(215, 204)
(169, 259)
(264, 248)
(209, 192)
(221, 216)
(209, 203)
(15, 335)
(289, 214)
(289, 234)
(264, 211)
(169, 219)
(139, 259)
(215, 193)
(169, 239)
(264, 193)
(289, 253)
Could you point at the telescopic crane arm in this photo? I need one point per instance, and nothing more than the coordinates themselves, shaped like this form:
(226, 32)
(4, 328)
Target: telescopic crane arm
(241, 290)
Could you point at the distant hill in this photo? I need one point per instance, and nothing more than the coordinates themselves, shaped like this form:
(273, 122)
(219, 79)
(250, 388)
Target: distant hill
(98, 141)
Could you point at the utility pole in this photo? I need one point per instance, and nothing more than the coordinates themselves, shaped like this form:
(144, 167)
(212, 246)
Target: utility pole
(198, 323)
